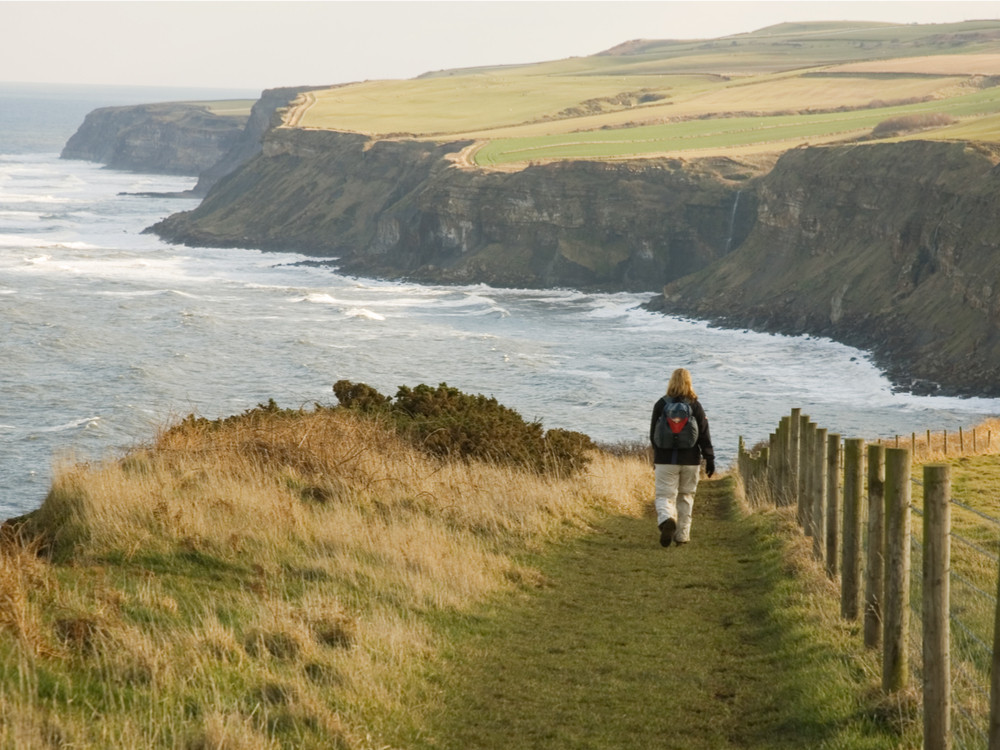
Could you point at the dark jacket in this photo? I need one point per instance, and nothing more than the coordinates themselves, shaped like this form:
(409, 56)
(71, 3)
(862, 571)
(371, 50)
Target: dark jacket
(683, 456)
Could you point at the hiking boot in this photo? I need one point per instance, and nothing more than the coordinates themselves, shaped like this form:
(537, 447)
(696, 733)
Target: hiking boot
(667, 529)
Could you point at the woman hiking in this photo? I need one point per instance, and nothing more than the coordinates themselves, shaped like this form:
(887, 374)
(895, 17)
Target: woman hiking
(678, 449)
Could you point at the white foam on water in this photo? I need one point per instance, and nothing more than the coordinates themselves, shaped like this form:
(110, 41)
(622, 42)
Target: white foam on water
(85, 422)
(360, 312)
(319, 299)
(33, 199)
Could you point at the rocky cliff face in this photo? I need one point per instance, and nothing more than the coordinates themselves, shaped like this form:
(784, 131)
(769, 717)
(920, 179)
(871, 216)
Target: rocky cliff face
(892, 248)
(401, 208)
(159, 138)
(264, 115)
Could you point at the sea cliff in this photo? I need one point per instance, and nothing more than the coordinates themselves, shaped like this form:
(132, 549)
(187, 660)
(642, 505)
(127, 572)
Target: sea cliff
(892, 248)
(171, 138)
(405, 209)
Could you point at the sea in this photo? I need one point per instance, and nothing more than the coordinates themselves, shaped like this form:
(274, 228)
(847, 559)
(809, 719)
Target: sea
(108, 334)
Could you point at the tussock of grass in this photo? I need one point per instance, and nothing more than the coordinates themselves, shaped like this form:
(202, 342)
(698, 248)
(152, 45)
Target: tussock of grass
(982, 439)
(265, 582)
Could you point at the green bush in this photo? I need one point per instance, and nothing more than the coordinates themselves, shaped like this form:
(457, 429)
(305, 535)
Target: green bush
(359, 396)
(445, 422)
(912, 122)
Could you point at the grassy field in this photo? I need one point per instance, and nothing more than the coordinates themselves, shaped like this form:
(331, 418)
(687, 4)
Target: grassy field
(771, 90)
(728, 134)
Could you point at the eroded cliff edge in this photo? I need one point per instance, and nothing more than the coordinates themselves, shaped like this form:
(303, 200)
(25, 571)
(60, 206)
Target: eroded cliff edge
(178, 138)
(404, 209)
(892, 248)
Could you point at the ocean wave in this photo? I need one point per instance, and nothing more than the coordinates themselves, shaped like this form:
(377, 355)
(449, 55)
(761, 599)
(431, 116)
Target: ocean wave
(145, 293)
(398, 302)
(28, 198)
(73, 246)
(85, 423)
(360, 312)
(319, 299)
(28, 242)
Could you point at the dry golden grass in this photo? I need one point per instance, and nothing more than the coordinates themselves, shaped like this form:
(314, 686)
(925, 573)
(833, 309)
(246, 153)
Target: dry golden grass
(266, 583)
(981, 440)
(939, 65)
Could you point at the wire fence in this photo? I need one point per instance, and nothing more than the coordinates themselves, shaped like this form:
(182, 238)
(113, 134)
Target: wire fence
(803, 465)
(975, 562)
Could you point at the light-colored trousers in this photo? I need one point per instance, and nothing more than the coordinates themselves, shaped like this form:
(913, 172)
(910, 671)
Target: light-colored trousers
(675, 488)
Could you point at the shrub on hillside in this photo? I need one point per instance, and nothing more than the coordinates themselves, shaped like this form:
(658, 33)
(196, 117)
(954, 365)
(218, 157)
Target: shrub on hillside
(911, 122)
(445, 422)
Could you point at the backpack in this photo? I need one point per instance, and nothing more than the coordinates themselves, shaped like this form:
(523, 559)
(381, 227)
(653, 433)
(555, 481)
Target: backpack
(676, 428)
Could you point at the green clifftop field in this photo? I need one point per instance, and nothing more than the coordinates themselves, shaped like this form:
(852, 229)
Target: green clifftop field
(754, 93)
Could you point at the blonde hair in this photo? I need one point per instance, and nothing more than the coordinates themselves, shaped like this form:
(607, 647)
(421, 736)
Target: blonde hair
(680, 385)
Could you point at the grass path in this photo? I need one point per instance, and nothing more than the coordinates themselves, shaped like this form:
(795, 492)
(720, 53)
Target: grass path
(628, 645)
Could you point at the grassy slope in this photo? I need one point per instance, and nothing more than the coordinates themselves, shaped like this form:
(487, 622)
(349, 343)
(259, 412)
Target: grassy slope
(627, 645)
(266, 583)
(667, 97)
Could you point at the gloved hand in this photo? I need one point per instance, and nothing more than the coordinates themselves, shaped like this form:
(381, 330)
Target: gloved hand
(709, 466)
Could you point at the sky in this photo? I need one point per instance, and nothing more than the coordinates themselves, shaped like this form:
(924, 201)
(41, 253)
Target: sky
(253, 45)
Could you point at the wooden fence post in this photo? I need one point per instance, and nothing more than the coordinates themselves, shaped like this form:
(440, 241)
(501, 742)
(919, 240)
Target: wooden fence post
(741, 466)
(806, 430)
(794, 441)
(896, 614)
(771, 467)
(850, 586)
(784, 447)
(819, 494)
(994, 739)
(779, 463)
(936, 570)
(874, 570)
(833, 471)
